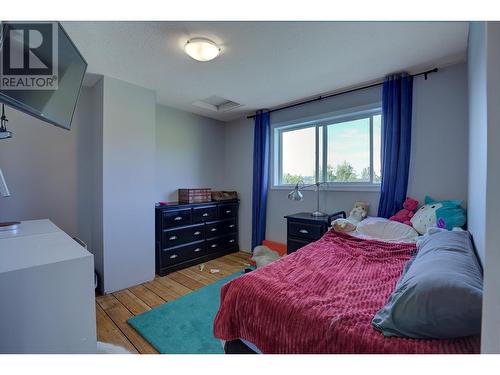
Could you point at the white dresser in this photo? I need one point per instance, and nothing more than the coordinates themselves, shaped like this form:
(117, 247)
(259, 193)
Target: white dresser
(46, 291)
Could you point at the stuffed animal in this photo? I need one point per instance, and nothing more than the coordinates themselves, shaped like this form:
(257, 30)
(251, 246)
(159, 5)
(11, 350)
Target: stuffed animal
(443, 214)
(358, 213)
(403, 216)
(262, 256)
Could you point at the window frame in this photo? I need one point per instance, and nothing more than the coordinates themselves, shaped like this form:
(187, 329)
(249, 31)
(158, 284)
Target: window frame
(321, 123)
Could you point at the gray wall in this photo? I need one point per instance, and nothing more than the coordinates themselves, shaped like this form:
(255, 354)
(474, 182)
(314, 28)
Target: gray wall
(129, 122)
(239, 173)
(438, 160)
(52, 173)
(46, 167)
(484, 179)
(439, 157)
(189, 152)
(476, 214)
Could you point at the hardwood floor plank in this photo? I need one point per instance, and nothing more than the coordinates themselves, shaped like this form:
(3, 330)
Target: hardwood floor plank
(243, 262)
(205, 273)
(242, 255)
(222, 265)
(147, 296)
(131, 302)
(186, 281)
(176, 288)
(223, 271)
(230, 262)
(161, 290)
(119, 314)
(196, 276)
(108, 332)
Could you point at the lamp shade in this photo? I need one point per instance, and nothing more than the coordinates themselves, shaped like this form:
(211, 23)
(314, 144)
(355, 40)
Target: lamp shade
(295, 194)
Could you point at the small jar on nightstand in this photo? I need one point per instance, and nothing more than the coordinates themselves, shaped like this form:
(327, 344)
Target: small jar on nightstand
(303, 228)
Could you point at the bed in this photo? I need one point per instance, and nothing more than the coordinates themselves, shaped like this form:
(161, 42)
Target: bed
(321, 299)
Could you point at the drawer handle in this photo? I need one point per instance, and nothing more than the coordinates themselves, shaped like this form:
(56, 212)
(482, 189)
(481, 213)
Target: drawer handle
(197, 233)
(304, 231)
(173, 238)
(228, 211)
(213, 230)
(214, 245)
(232, 226)
(173, 256)
(205, 214)
(177, 218)
(197, 250)
(231, 241)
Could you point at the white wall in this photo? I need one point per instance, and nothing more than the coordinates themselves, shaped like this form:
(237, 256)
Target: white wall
(438, 165)
(484, 180)
(128, 184)
(189, 153)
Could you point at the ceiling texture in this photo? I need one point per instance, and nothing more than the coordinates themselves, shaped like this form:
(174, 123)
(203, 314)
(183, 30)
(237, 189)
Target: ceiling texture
(262, 64)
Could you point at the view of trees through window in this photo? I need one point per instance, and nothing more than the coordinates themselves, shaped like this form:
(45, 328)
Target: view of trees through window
(348, 149)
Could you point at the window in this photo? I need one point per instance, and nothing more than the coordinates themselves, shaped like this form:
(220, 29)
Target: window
(342, 150)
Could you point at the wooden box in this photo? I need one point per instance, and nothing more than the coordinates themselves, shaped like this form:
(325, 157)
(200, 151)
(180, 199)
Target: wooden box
(195, 195)
(224, 195)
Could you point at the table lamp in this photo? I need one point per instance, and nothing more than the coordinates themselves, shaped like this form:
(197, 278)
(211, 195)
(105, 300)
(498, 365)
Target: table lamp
(296, 195)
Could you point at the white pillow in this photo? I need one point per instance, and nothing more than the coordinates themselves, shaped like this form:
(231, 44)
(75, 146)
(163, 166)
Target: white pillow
(382, 229)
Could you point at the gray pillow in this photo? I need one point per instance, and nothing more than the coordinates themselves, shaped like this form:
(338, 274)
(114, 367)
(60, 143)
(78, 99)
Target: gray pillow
(440, 292)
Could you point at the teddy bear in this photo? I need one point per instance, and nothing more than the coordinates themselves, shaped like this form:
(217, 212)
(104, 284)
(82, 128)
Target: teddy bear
(358, 213)
(404, 215)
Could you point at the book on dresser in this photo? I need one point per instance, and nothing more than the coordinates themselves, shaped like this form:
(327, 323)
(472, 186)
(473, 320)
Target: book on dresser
(188, 234)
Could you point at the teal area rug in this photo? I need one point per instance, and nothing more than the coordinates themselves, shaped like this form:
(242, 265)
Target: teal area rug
(185, 325)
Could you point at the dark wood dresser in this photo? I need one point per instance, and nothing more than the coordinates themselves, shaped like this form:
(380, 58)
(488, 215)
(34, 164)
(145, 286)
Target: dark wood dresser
(303, 228)
(187, 234)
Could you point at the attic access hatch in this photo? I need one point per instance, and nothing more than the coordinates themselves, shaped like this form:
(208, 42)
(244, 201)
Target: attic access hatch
(217, 104)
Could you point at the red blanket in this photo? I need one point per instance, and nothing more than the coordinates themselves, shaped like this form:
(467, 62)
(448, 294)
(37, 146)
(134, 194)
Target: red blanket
(321, 299)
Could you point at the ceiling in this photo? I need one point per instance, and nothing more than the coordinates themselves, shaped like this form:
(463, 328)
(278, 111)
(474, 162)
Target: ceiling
(262, 64)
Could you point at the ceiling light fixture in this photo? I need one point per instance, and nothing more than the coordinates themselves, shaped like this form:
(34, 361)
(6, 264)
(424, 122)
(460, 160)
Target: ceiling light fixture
(202, 49)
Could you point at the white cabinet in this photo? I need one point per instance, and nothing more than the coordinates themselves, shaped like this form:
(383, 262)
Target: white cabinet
(47, 300)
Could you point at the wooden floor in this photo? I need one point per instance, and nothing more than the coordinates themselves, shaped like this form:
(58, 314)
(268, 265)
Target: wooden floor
(113, 310)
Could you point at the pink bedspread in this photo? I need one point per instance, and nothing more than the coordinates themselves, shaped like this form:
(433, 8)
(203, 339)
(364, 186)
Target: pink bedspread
(321, 299)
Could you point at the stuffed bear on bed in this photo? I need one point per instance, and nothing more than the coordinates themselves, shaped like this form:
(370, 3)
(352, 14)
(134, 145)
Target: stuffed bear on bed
(358, 213)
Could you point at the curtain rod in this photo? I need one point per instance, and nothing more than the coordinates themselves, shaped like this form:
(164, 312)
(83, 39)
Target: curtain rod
(321, 97)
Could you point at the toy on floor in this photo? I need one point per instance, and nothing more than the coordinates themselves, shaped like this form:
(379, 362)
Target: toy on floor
(262, 256)
(404, 215)
(358, 213)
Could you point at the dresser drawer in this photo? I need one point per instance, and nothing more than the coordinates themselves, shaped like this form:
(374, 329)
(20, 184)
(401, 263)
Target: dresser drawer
(176, 218)
(222, 243)
(213, 229)
(228, 226)
(220, 228)
(228, 210)
(179, 236)
(182, 253)
(205, 213)
(305, 230)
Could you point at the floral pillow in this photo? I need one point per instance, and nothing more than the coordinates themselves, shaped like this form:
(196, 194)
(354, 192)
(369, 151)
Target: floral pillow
(441, 214)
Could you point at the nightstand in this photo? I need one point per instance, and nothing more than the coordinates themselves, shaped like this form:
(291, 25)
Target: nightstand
(302, 228)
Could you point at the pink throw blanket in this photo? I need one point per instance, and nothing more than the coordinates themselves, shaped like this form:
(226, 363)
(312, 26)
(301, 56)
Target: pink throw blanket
(321, 299)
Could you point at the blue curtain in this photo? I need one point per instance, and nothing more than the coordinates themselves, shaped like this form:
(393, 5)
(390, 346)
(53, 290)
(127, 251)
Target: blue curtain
(260, 177)
(396, 142)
